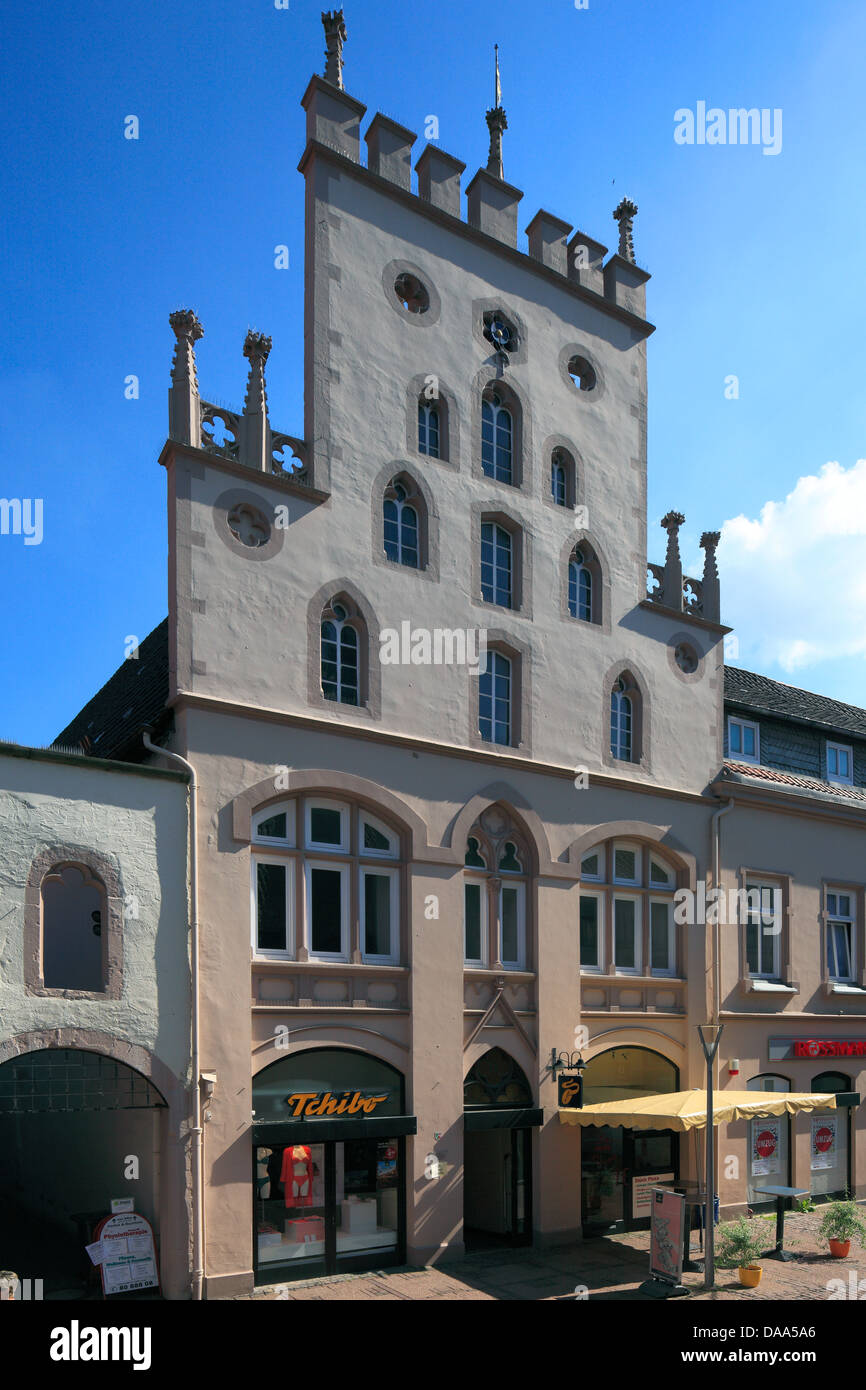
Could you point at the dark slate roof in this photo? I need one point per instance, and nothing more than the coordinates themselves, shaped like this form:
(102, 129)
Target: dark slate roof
(766, 696)
(134, 698)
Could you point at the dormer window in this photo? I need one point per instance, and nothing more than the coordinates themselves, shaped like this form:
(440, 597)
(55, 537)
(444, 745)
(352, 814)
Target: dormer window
(744, 740)
(840, 763)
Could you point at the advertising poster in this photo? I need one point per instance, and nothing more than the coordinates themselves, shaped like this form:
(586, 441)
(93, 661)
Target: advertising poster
(128, 1254)
(766, 1146)
(642, 1192)
(824, 1134)
(667, 1224)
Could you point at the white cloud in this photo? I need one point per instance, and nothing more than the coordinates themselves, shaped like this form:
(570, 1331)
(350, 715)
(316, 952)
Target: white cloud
(794, 580)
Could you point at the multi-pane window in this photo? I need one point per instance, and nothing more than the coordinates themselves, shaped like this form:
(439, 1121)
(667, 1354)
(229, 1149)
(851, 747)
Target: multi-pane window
(840, 935)
(494, 699)
(744, 740)
(310, 896)
(621, 722)
(840, 763)
(763, 929)
(497, 439)
(428, 429)
(340, 663)
(499, 940)
(496, 564)
(400, 527)
(626, 911)
(579, 588)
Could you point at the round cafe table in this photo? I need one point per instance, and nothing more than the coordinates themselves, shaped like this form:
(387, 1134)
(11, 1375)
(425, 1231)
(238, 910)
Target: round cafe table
(780, 1194)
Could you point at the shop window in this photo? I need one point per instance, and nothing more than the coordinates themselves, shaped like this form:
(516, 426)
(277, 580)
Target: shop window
(830, 1139)
(633, 932)
(769, 1141)
(73, 921)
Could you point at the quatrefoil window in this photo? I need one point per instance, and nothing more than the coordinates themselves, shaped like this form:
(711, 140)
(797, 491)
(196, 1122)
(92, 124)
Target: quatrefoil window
(248, 525)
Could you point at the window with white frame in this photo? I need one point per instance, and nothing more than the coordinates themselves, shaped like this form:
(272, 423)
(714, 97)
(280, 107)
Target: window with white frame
(428, 428)
(840, 935)
(840, 763)
(763, 929)
(744, 740)
(497, 438)
(626, 910)
(497, 564)
(308, 897)
(495, 883)
(495, 697)
(621, 722)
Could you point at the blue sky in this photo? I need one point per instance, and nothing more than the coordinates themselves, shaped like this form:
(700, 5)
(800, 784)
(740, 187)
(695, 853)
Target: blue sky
(756, 259)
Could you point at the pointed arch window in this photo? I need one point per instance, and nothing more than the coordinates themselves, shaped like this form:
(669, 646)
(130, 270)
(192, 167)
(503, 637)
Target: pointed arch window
(621, 722)
(497, 438)
(340, 664)
(495, 900)
(401, 526)
(579, 587)
(428, 428)
(558, 481)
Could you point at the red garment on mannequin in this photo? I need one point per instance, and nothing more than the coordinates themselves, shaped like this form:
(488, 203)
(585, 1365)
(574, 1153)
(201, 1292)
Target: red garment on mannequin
(297, 1175)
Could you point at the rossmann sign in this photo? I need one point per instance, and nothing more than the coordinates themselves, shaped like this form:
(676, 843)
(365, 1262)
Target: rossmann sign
(809, 1049)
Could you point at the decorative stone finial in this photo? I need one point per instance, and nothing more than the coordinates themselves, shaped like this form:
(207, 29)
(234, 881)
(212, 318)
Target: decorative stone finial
(672, 588)
(255, 433)
(496, 124)
(624, 214)
(711, 596)
(335, 37)
(184, 409)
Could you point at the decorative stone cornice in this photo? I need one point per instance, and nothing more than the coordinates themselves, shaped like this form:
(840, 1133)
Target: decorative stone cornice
(335, 37)
(624, 214)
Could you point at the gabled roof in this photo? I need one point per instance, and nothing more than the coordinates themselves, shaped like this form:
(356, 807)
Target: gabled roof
(765, 696)
(134, 698)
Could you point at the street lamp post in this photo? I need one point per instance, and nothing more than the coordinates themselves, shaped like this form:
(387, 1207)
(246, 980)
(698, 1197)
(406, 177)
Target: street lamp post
(710, 1035)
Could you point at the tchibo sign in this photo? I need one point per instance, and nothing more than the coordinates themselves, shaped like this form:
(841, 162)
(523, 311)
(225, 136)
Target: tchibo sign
(812, 1049)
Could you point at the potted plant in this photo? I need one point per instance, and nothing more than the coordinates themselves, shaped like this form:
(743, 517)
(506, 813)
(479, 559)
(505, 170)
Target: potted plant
(738, 1246)
(840, 1222)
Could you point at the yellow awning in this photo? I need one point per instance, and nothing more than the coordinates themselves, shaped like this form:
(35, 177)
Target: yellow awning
(685, 1110)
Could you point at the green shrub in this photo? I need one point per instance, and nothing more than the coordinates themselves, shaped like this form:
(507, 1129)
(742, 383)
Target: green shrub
(738, 1244)
(843, 1221)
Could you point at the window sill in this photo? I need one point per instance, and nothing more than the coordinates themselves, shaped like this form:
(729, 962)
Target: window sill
(279, 963)
(843, 987)
(622, 977)
(755, 986)
(485, 972)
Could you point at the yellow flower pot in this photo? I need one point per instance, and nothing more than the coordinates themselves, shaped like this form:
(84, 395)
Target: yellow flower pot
(750, 1275)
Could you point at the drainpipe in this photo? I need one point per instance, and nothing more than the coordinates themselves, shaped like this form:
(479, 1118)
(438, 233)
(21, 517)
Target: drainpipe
(717, 839)
(196, 1129)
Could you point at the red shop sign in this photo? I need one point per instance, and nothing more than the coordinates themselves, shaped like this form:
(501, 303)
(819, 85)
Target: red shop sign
(827, 1047)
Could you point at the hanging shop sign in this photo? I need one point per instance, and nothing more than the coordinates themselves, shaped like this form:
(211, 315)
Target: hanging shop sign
(305, 1104)
(766, 1156)
(667, 1227)
(824, 1135)
(128, 1254)
(802, 1049)
(570, 1092)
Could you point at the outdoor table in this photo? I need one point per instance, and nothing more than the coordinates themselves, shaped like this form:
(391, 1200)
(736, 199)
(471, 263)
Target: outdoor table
(780, 1193)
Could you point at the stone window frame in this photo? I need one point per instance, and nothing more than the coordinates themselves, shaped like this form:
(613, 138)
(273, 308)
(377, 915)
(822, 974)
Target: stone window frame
(369, 669)
(428, 520)
(575, 475)
(431, 315)
(640, 710)
(574, 349)
(521, 560)
(857, 891)
(480, 307)
(771, 878)
(493, 879)
(676, 640)
(607, 889)
(50, 859)
(486, 382)
(234, 497)
(519, 654)
(449, 419)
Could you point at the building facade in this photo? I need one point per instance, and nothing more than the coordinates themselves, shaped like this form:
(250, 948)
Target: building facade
(95, 1010)
(461, 753)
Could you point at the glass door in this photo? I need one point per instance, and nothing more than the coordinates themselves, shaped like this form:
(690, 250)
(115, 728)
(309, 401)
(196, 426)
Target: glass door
(654, 1163)
(602, 1177)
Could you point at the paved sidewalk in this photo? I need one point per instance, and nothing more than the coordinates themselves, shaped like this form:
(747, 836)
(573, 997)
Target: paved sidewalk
(606, 1269)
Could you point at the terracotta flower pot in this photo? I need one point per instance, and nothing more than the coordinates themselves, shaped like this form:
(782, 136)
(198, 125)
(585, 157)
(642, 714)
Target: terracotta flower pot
(840, 1248)
(750, 1275)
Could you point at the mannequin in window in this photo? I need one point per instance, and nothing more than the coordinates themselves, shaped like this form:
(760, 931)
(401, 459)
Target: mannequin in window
(297, 1175)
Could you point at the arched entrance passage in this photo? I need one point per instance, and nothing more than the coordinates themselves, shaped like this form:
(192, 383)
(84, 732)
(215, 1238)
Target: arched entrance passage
(498, 1119)
(618, 1166)
(77, 1130)
(328, 1165)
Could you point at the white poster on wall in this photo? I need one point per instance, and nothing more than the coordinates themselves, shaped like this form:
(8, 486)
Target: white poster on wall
(766, 1146)
(824, 1137)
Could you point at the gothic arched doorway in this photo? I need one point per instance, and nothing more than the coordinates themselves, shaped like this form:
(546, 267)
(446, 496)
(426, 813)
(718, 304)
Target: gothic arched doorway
(498, 1119)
